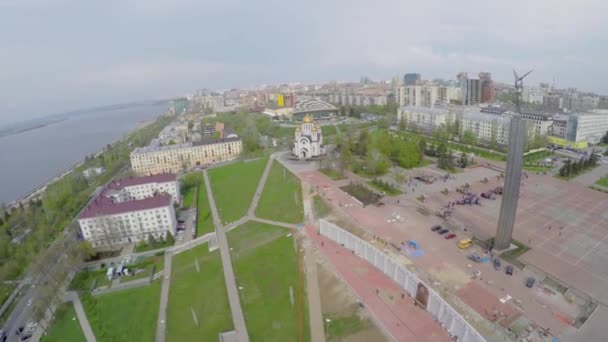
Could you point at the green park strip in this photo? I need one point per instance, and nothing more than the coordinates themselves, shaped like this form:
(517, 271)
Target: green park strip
(339, 327)
(281, 198)
(204, 220)
(603, 181)
(128, 315)
(65, 327)
(234, 186)
(5, 292)
(271, 289)
(198, 302)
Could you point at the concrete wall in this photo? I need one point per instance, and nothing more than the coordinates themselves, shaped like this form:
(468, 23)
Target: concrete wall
(447, 317)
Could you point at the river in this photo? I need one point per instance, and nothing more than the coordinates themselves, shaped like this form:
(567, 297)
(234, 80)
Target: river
(29, 159)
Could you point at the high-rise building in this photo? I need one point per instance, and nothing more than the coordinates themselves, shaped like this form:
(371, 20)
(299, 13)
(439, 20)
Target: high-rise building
(411, 79)
(488, 93)
(603, 102)
(471, 88)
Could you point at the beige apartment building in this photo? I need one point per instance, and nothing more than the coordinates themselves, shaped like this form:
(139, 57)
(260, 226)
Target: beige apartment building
(156, 159)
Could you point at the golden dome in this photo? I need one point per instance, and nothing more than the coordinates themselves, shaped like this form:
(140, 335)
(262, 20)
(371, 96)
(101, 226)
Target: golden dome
(307, 118)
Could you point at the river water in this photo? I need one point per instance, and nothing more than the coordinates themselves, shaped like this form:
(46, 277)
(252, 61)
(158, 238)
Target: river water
(29, 159)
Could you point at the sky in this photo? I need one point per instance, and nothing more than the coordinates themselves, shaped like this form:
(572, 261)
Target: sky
(61, 55)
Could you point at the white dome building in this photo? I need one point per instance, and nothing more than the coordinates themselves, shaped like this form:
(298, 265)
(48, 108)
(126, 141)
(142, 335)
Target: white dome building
(308, 140)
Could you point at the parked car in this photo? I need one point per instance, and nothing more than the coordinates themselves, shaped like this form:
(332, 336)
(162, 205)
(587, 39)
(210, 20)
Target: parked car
(435, 228)
(496, 264)
(465, 243)
(530, 282)
(474, 257)
(442, 231)
(450, 236)
(509, 270)
(3, 336)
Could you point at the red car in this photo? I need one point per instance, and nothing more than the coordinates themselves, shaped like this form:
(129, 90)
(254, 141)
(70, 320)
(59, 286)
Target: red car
(450, 236)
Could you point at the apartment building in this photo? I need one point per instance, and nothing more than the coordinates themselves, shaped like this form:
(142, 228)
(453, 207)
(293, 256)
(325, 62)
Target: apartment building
(138, 188)
(424, 118)
(428, 95)
(590, 126)
(109, 222)
(485, 126)
(156, 159)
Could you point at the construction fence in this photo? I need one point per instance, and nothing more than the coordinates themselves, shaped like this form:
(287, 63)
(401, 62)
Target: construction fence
(441, 311)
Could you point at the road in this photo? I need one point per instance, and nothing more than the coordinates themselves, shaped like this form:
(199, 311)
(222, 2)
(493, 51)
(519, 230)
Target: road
(233, 295)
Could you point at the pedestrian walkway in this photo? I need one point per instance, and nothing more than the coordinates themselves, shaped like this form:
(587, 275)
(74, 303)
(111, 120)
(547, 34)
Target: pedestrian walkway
(161, 324)
(73, 297)
(233, 295)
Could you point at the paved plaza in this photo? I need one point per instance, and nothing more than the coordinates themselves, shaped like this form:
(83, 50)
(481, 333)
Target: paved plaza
(545, 201)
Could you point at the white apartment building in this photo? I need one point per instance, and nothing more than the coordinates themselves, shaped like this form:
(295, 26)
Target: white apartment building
(534, 94)
(137, 188)
(425, 118)
(106, 222)
(155, 159)
(427, 95)
(485, 126)
(538, 123)
(588, 127)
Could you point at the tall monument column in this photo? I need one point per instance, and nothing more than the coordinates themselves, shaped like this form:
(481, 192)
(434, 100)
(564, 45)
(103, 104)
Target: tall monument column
(510, 195)
(515, 156)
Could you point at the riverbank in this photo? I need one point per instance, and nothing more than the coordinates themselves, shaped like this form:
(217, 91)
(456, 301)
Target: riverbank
(39, 190)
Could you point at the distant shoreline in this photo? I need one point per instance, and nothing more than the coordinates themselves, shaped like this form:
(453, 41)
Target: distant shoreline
(33, 127)
(40, 188)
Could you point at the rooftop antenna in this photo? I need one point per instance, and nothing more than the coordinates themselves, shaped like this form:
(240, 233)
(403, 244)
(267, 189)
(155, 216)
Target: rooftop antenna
(519, 85)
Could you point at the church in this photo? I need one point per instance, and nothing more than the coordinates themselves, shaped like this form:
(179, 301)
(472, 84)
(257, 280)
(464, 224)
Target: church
(308, 139)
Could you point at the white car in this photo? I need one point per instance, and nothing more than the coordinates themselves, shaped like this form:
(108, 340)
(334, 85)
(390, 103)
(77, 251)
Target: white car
(29, 302)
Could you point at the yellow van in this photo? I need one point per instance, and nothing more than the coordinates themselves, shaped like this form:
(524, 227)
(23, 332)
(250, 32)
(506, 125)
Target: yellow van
(465, 243)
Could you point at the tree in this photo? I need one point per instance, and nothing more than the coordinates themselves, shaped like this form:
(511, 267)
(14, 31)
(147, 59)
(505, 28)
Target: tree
(444, 158)
(169, 239)
(376, 163)
(604, 139)
(402, 125)
(361, 145)
(346, 158)
(151, 239)
(421, 149)
(398, 175)
(464, 161)
(469, 138)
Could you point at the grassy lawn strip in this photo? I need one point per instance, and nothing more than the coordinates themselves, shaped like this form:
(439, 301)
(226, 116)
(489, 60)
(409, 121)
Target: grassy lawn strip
(147, 246)
(234, 186)
(320, 207)
(88, 280)
(266, 266)
(204, 221)
(65, 327)
(537, 156)
(128, 315)
(602, 181)
(384, 187)
(513, 255)
(151, 265)
(5, 291)
(331, 173)
(281, 198)
(534, 168)
(339, 327)
(202, 291)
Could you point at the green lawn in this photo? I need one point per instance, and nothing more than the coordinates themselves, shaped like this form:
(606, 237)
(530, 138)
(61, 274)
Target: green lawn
(331, 173)
(189, 182)
(535, 168)
(204, 220)
(153, 264)
(385, 187)
(128, 315)
(87, 280)
(320, 207)
(146, 246)
(281, 198)
(234, 186)
(266, 266)
(603, 181)
(65, 327)
(5, 291)
(203, 292)
(537, 156)
(343, 326)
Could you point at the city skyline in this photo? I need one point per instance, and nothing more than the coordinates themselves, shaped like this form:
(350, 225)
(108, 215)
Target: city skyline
(84, 55)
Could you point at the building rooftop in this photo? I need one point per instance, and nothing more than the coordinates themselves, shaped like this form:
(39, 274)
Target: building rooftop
(132, 181)
(157, 147)
(429, 110)
(306, 106)
(102, 206)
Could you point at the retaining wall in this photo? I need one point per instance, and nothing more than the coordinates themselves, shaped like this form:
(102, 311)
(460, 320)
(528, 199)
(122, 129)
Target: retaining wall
(441, 311)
